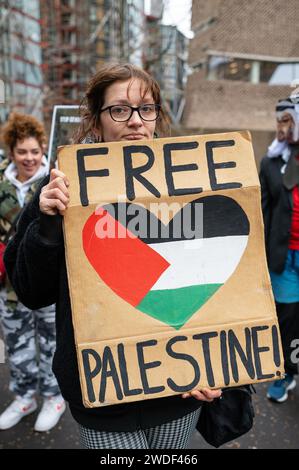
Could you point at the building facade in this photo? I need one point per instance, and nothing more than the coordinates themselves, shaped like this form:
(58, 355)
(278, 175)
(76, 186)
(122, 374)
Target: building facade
(78, 37)
(66, 58)
(244, 57)
(117, 30)
(50, 49)
(172, 70)
(165, 56)
(20, 57)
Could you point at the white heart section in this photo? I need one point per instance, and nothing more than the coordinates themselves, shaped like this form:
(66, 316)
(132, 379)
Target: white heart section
(200, 261)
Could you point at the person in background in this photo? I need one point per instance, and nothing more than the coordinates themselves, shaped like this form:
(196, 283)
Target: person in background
(279, 177)
(29, 333)
(122, 103)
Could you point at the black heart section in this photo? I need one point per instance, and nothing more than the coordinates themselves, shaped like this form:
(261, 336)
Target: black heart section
(221, 216)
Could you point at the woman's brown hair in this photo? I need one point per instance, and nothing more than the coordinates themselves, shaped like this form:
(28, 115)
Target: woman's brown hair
(22, 126)
(95, 94)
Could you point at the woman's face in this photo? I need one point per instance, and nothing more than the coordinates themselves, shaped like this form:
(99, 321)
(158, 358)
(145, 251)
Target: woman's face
(119, 93)
(27, 156)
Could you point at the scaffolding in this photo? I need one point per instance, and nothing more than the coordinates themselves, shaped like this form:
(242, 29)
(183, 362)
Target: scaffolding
(63, 27)
(20, 58)
(78, 37)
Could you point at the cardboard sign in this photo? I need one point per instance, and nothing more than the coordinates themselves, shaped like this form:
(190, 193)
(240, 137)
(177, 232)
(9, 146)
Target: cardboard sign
(166, 266)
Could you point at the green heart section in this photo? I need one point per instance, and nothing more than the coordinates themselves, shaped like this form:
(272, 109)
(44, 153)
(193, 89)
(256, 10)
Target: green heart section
(176, 306)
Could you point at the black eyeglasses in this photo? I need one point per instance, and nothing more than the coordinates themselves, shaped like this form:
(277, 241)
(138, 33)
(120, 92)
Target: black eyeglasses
(123, 112)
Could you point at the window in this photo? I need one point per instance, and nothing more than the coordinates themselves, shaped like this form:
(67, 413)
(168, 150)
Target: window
(226, 68)
(254, 71)
(284, 74)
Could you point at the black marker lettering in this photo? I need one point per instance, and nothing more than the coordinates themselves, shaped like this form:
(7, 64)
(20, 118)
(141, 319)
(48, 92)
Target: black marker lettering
(132, 173)
(212, 166)
(108, 360)
(83, 174)
(185, 357)
(205, 337)
(276, 353)
(246, 358)
(88, 373)
(124, 373)
(257, 351)
(143, 366)
(170, 168)
(224, 357)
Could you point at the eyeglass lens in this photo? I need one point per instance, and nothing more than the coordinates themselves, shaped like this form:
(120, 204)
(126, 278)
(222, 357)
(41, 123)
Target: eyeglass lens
(147, 112)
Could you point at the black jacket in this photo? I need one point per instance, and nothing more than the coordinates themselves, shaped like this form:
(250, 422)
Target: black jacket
(35, 263)
(277, 205)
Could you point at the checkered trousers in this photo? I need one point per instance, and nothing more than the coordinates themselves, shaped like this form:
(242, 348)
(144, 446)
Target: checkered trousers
(173, 435)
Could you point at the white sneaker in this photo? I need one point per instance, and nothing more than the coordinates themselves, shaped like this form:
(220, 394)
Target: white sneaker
(51, 412)
(19, 408)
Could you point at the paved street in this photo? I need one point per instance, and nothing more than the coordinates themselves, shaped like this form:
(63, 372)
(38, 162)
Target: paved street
(276, 426)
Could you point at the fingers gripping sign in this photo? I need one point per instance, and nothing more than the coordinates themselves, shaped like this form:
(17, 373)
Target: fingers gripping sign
(204, 395)
(54, 197)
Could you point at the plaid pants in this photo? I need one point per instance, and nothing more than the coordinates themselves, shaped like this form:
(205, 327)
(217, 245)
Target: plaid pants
(173, 435)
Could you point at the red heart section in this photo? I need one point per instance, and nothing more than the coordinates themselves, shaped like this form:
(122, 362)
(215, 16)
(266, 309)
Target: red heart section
(125, 263)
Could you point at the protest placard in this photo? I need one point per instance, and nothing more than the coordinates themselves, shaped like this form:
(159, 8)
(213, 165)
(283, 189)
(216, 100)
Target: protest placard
(167, 269)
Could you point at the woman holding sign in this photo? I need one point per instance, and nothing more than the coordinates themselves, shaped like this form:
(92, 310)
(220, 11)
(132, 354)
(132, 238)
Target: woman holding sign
(122, 103)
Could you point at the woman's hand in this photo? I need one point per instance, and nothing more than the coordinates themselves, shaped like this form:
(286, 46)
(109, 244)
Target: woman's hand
(205, 394)
(55, 197)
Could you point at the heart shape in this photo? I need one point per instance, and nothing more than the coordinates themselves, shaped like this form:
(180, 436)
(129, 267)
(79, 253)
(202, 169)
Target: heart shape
(167, 271)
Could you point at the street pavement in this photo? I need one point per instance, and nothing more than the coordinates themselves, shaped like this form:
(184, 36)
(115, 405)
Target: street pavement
(276, 426)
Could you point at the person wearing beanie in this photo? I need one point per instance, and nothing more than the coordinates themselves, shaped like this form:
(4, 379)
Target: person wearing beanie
(29, 334)
(279, 177)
